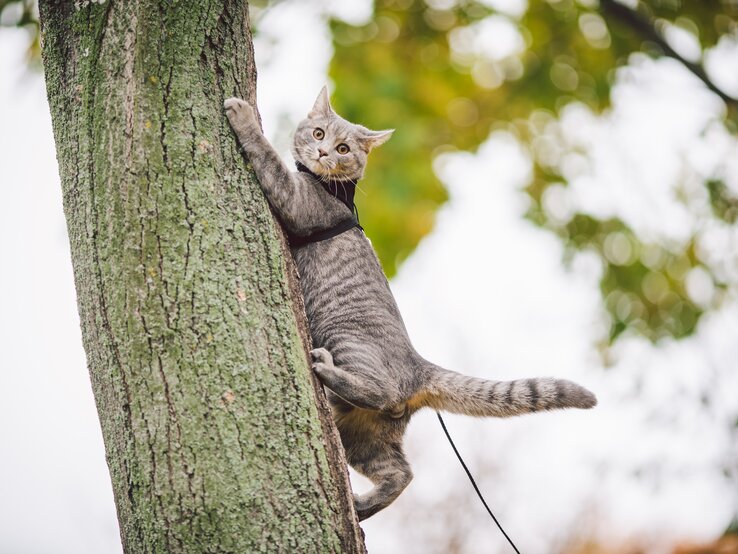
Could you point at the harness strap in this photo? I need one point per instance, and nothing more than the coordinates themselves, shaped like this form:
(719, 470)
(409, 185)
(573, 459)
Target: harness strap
(297, 241)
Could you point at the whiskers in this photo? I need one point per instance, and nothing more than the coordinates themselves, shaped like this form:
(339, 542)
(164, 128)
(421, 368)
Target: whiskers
(332, 184)
(323, 170)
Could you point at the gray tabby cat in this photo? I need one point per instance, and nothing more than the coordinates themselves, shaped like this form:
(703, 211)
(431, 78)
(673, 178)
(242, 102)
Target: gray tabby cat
(375, 379)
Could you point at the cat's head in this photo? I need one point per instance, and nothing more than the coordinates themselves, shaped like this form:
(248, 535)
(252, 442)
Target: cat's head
(332, 147)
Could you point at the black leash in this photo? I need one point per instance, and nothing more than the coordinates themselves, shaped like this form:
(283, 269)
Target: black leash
(474, 484)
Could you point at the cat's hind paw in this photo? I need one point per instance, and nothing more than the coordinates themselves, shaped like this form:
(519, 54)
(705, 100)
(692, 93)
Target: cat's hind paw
(321, 356)
(322, 362)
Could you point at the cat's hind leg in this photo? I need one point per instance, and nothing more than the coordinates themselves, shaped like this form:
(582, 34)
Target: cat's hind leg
(355, 388)
(386, 467)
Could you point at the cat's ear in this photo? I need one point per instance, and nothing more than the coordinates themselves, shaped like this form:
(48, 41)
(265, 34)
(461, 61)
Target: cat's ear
(372, 139)
(322, 107)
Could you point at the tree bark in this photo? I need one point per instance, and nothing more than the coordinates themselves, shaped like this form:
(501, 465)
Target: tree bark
(217, 436)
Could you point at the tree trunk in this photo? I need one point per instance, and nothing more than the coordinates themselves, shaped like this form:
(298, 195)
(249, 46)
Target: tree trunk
(218, 438)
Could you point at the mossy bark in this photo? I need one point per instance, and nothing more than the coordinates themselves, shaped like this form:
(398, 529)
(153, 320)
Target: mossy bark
(217, 440)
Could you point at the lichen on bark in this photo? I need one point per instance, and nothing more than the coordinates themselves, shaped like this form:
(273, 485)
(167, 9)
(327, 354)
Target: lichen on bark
(217, 437)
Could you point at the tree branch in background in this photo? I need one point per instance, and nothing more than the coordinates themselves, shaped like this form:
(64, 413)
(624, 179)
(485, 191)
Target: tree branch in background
(647, 29)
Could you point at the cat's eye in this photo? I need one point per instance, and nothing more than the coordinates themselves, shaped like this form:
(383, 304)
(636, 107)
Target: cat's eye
(318, 133)
(342, 148)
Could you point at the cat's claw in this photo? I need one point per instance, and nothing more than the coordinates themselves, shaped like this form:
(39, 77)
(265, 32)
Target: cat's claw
(234, 103)
(322, 361)
(239, 112)
(321, 355)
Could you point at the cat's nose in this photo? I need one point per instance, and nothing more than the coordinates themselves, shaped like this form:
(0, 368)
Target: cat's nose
(321, 153)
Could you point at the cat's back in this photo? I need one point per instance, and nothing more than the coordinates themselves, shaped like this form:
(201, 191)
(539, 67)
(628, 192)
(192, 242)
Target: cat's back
(345, 290)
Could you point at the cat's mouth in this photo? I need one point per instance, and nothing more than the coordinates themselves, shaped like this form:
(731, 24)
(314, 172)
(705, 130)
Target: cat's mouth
(325, 167)
(320, 165)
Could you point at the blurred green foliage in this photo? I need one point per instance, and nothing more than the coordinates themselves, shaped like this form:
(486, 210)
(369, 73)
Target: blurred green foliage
(724, 205)
(23, 14)
(418, 65)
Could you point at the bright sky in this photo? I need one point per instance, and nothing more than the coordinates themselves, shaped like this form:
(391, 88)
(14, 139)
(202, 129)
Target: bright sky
(486, 294)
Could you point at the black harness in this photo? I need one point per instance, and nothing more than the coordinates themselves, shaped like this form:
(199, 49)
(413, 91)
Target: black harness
(343, 191)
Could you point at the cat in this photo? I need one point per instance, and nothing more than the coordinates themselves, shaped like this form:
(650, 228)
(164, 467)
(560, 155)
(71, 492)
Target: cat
(375, 379)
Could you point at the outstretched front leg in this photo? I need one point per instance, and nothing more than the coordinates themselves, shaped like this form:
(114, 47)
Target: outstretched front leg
(294, 202)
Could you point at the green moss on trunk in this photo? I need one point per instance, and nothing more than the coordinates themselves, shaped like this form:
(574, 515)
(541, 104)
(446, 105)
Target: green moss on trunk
(195, 346)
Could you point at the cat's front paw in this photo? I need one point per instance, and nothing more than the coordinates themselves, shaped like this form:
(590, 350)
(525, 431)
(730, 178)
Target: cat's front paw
(240, 114)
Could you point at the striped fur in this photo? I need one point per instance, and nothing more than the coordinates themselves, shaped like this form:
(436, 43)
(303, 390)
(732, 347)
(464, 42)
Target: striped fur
(375, 378)
(460, 394)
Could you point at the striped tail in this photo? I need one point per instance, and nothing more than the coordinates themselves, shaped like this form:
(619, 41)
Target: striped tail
(460, 394)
